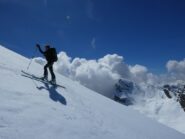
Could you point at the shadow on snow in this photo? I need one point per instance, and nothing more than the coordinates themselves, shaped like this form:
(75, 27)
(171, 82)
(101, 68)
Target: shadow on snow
(53, 94)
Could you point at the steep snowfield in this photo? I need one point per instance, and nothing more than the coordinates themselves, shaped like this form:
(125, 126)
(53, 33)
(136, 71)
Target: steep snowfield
(30, 109)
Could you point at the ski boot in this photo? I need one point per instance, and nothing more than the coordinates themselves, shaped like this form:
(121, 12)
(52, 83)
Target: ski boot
(45, 78)
(53, 81)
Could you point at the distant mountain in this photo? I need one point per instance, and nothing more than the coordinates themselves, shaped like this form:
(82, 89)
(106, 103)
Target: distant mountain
(158, 102)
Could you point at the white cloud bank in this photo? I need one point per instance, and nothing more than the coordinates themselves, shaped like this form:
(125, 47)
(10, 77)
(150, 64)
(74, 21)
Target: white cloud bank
(176, 69)
(101, 74)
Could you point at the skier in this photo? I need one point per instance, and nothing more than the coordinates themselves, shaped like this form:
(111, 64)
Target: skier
(51, 57)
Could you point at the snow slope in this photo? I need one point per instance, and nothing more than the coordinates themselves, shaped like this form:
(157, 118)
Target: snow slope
(30, 109)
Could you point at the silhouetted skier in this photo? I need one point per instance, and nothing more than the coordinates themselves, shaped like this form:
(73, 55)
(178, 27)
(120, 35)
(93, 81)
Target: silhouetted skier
(51, 57)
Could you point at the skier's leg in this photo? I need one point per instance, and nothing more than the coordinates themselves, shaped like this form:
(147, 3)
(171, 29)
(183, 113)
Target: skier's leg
(46, 71)
(51, 71)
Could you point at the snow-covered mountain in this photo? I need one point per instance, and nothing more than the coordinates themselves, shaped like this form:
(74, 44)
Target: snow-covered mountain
(32, 109)
(165, 104)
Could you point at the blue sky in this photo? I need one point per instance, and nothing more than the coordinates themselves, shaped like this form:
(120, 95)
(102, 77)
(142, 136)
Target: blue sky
(146, 32)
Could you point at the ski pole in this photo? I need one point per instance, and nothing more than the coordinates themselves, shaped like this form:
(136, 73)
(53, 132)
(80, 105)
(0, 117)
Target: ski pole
(31, 60)
(30, 63)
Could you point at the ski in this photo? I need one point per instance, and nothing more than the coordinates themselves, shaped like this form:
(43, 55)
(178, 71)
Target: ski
(32, 76)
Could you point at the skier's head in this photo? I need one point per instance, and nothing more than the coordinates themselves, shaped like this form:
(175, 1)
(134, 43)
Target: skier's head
(47, 47)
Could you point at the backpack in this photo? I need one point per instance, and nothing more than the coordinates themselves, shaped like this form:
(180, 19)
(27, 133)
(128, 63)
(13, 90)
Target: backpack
(53, 54)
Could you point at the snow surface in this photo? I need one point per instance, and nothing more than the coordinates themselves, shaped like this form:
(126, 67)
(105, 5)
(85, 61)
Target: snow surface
(33, 110)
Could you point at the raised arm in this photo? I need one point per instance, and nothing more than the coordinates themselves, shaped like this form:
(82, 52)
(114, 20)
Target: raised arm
(38, 46)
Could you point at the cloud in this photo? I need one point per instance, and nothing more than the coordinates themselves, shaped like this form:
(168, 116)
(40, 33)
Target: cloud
(176, 69)
(139, 72)
(176, 66)
(102, 74)
(99, 75)
(138, 69)
(40, 60)
(93, 43)
(63, 64)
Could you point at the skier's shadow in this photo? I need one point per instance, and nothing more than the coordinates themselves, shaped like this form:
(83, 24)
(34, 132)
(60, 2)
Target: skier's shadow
(53, 94)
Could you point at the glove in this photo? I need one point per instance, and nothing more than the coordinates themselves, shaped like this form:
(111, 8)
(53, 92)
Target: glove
(37, 45)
